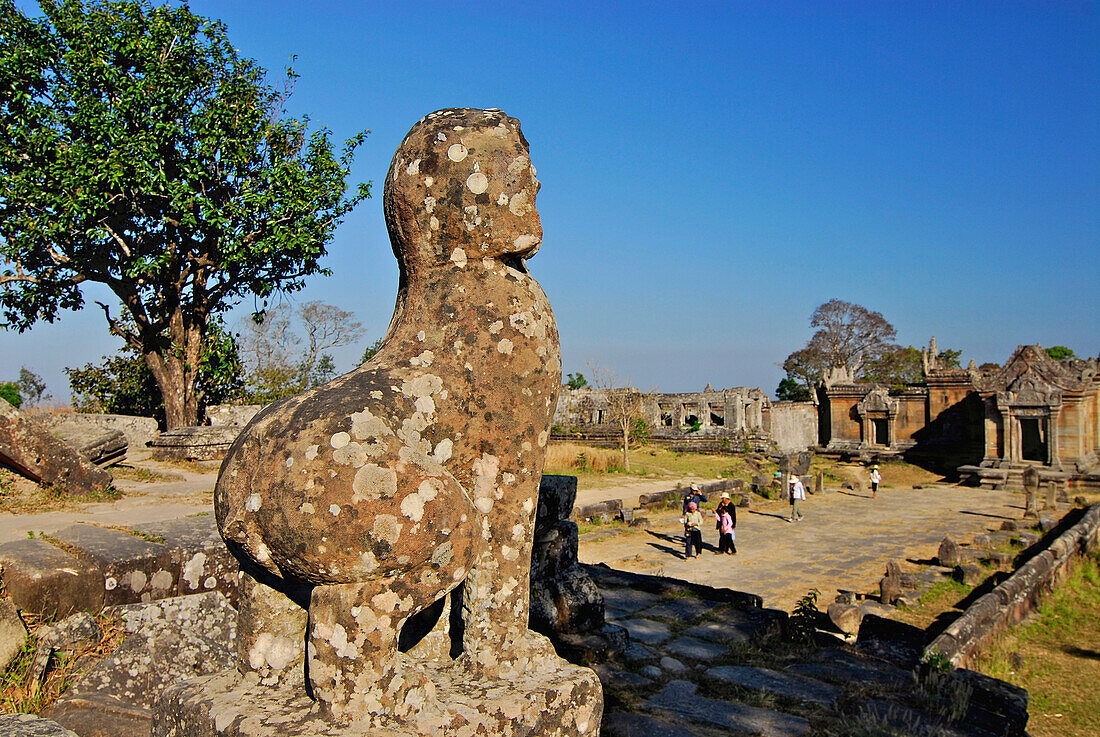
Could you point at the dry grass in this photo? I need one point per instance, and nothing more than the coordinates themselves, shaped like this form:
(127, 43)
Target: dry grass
(142, 475)
(19, 694)
(1056, 657)
(569, 458)
(19, 495)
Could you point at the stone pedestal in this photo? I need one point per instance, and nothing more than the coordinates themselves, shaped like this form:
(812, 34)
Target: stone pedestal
(555, 700)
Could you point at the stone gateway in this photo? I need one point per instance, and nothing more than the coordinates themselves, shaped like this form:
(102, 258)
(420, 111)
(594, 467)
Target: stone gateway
(384, 521)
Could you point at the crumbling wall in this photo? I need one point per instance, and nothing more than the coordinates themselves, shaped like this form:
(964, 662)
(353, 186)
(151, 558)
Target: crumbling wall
(792, 425)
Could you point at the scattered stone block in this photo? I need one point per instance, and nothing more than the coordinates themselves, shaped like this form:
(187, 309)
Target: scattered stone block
(727, 629)
(13, 633)
(1027, 539)
(845, 597)
(891, 640)
(132, 569)
(45, 580)
(891, 584)
(31, 725)
(100, 716)
(68, 634)
(843, 667)
(1046, 524)
(200, 560)
(609, 675)
(102, 446)
(745, 501)
(622, 724)
(999, 560)
(652, 671)
(166, 642)
(982, 540)
(995, 705)
(948, 554)
(206, 443)
(846, 617)
(969, 574)
(690, 647)
(641, 523)
(636, 652)
(789, 685)
(680, 697)
(1013, 524)
(30, 448)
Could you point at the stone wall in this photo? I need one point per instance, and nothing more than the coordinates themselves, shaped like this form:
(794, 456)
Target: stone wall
(792, 425)
(1014, 598)
(138, 430)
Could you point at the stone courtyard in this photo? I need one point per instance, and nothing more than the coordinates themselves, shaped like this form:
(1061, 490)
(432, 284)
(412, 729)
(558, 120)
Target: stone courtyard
(843, 543)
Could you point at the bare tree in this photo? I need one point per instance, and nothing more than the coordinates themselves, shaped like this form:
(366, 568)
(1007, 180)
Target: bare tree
(624, 404)
(270, 347)
(848, 336)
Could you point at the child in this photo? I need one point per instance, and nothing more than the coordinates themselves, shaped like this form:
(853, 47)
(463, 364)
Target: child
(725, 530)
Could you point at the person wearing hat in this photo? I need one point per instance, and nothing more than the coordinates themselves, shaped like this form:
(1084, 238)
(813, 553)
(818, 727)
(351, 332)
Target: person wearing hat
(726, 516)
(693, 524)
(694, 495)
(797, 494)
(876, 479)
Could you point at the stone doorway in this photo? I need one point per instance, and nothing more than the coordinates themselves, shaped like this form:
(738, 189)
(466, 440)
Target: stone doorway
(1033, 439)
(880, 430)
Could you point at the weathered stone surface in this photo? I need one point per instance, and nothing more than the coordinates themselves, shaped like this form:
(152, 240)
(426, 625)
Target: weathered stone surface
(31, 725)
(637, 653)
(948, 554)
(100, 716)
(205, 443)
(789, 685)
(233, 415)
(13, 632)
(167, 642)
(620, 677)
(402, 496)
(841, 667)
(561, 701)
(99, 445)
(996, 706)
(679, 697)
(682, 609)
(902, 719)
(695, 649)
(201, 561)
(890, 586)
(45, 580)
(891, 640)
(846, 617)
(628, 600)
(672, 665)
(31, 449)
(131, 569)
(728, 629)
(622, 724)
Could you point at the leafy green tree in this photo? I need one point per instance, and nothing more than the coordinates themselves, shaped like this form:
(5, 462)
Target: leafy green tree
(370, 350)
(847, 336)
(140, 151)
(576, 381)
(1058, 352)
(31, 386)
(791, 390)
(124, 384)
(9, 392)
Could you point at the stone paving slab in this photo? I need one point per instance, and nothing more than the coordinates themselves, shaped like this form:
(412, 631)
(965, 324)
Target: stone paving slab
(679, 698)
(789, 685)
(837, 665)
(45, 580)
(621, 724)
(30, 725)
(681, 610)
(132, 569)
(646, 630)
(733, 626)
(627, 599)
(690, 647)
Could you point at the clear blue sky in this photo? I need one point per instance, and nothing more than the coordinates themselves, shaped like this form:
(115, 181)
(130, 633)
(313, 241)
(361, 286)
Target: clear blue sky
(714, 171)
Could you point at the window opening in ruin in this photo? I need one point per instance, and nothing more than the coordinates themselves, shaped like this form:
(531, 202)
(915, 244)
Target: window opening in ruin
(599, 417)
(666, 419)
(717, 417)
(881, 431)
(688, 416)
(1033, 441)
(690, 420)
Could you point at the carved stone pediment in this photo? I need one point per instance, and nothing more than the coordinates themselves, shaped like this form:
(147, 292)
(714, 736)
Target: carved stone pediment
(877, 401)
(1031, 362)
(1029, 391)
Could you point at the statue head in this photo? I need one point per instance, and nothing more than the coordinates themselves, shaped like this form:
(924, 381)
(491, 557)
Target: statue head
(461, 187)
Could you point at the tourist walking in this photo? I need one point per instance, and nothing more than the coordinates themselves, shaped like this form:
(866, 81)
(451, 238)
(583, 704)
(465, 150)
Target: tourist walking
(693, 530)
(725, 516)
(876, 479)
(797, 494)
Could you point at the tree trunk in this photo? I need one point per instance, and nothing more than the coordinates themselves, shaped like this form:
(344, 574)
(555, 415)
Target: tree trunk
(626, 449)
(175, 367)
